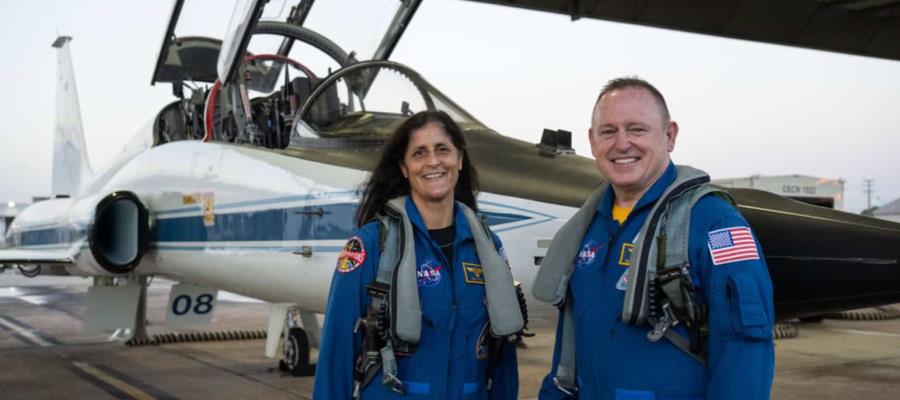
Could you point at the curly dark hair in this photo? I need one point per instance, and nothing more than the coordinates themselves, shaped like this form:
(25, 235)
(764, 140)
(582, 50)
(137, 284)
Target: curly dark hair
(387, 181)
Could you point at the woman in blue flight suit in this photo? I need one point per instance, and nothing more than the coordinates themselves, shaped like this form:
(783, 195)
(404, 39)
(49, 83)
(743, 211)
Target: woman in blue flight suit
(425, 159)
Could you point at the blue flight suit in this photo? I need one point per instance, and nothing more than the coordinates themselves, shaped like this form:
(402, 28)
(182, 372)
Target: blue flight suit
(451, 360)
(616, 361)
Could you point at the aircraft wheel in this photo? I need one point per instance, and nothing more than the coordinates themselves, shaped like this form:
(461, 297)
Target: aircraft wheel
(296, 354)
(785, 331)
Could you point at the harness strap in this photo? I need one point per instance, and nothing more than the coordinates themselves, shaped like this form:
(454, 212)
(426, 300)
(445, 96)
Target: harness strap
(565, 368)
(397, 273)
(405, 309)
(503, 307)
(684, 345)
(667, 230)
(551, 284)
(391, 244)
(389, 369)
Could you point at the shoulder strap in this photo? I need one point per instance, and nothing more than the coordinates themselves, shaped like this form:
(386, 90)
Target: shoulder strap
(405, 310)
(552, 281)
(397, 267)
(678, 224)
(646, 252)
(551, 284)
(565, 378)
(502, 301)
(390, 244)
(667, 230)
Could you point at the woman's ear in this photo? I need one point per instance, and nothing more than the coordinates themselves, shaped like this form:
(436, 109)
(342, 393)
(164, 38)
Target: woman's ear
(403, 171)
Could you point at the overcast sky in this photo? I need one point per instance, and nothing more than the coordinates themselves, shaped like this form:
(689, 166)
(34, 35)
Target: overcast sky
(744, 108)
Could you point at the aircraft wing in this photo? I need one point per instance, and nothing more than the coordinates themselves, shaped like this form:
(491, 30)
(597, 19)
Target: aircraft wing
(59, 256)
(861, 27)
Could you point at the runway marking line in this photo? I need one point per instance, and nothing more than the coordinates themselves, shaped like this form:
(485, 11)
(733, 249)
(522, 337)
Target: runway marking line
(110, 380)
(24, 333)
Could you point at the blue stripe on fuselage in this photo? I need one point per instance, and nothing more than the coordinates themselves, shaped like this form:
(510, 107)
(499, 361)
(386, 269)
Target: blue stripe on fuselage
(46, 236)
(321, 222)
(318, 222)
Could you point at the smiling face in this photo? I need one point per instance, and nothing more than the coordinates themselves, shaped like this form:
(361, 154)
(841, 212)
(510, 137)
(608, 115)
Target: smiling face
(431, 163)
(631, 141)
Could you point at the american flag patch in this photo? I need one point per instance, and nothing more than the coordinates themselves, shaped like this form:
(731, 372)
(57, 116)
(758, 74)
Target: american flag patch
(732, 245)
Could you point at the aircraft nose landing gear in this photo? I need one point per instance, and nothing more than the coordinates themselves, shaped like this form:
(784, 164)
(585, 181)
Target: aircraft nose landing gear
(296, 354)
(285, 328)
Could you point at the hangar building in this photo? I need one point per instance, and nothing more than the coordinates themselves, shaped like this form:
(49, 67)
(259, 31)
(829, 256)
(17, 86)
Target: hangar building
(890, 211)
(809, 189)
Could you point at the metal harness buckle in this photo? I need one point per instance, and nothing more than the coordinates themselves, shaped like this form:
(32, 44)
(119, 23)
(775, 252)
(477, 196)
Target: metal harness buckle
(393, 383)
(667, 321)
(569, 390)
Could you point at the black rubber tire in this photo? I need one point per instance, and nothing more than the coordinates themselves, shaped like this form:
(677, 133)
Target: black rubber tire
(296, 354)
(785, 331)
(881, 313)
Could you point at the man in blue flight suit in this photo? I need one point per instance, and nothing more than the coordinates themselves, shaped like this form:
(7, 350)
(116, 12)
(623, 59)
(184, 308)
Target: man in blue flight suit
(631, 137)
(452, 359)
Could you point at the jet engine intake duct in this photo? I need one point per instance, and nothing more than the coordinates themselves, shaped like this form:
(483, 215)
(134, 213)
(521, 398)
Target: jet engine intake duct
(120, 234)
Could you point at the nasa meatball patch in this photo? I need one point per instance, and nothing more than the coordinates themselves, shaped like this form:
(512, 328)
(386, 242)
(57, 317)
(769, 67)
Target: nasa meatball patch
(352, 256)
(428, 273)
(587, 254)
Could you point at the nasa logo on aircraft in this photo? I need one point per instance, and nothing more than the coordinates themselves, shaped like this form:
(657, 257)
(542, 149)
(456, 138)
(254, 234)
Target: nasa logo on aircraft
(352, 256)
(482, 347)
(429, 273)
(587, 254)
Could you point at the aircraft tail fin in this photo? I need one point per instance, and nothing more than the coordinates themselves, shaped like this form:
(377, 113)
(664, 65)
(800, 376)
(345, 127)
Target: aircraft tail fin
(71, 168)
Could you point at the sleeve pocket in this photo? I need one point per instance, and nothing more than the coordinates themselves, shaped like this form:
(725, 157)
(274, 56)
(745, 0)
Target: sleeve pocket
(748, 315)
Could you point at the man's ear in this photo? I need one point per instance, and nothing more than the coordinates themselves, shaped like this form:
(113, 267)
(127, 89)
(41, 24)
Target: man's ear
(591, 136)
(671, 135)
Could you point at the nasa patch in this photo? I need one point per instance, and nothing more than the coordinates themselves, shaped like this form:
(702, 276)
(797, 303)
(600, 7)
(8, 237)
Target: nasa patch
(587, 254)
(352, 256)
(428, 273)
(482, 346)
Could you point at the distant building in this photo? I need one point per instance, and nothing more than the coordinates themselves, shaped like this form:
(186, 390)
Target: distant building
(890, 211)
(808, 189)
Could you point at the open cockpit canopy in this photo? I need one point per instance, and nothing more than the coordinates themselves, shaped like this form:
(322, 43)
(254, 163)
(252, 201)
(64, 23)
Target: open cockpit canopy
(198, 48)
(268, 92)
(339, 109)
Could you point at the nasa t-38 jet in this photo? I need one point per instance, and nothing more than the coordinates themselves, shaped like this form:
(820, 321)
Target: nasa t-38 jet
(247, 183)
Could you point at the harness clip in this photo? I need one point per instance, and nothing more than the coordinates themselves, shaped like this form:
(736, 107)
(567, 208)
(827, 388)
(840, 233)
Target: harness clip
(394, 383)
(569, 390)
(667, 321)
